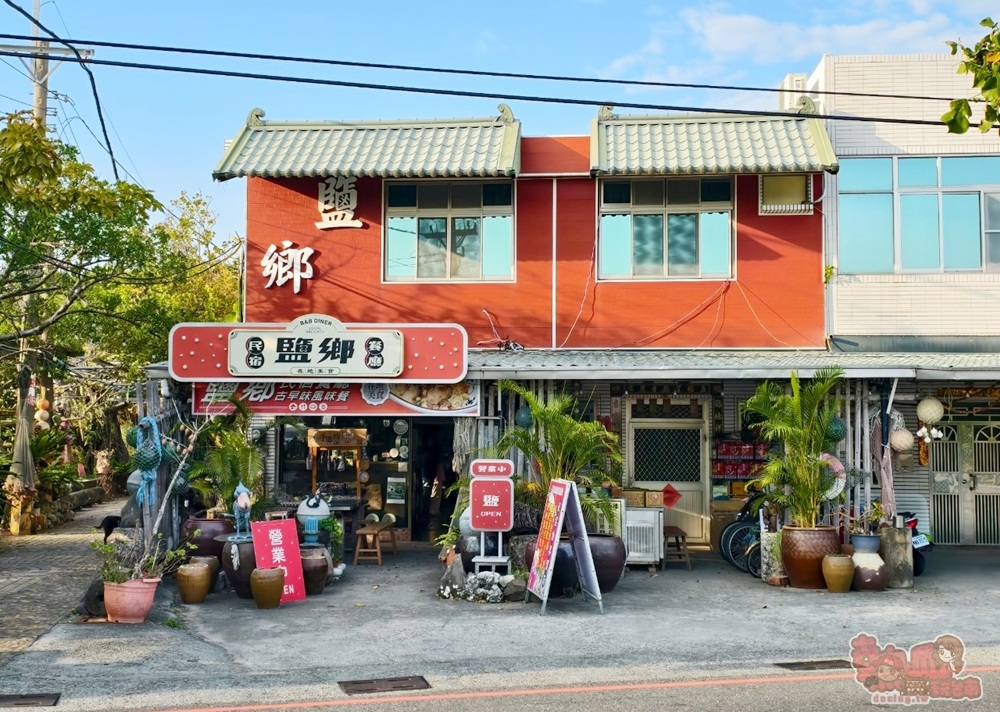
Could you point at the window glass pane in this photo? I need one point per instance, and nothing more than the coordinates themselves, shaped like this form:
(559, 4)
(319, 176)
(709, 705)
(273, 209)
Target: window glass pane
(466, 195)
(715, 190)
(432, 196)
(682, 244)
(993, 251)
(865, 240)
(432, 246)
(962, 231)
(993, 211)
(918, 228)
(401, 196)
(620, 192)
(498, 244)
(466, 248)
(865, 174)
(498, 194)
(616, 245)
(647, 192)
(647, 245)
(970, 170)
(401, 248)
(713, 243)
(784, 190)
(917, 172)
(683, 192)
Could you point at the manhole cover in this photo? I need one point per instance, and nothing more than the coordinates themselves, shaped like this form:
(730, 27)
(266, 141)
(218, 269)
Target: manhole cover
(46, 700)
(386, 684)
(817, 665)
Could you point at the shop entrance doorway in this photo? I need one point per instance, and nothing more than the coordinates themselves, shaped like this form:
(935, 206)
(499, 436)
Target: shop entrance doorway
(433, 475)
(965, 482)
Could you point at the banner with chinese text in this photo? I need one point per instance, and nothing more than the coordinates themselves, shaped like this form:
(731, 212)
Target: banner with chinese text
(276, 545)
(345, 399)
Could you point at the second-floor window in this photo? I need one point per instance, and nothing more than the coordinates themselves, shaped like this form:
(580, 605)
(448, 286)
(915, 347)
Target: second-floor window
(666, 228)
(919, 214)
(461, 231)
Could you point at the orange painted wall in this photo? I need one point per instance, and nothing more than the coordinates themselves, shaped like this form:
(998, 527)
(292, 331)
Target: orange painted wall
(777, 300)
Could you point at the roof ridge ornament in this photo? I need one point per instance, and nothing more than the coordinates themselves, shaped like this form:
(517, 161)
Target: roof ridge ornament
(806, 105)
(506, 114)
(606, 113)
(254, 118)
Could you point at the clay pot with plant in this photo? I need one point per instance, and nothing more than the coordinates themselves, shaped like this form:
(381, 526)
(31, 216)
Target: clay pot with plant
(798, 478)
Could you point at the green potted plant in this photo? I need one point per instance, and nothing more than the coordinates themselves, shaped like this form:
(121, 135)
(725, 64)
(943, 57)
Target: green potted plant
(798, 477)
(334, 533)
(864, 528)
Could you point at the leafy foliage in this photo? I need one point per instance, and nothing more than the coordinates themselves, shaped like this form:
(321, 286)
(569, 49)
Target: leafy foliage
(983, 62)
(797, 478)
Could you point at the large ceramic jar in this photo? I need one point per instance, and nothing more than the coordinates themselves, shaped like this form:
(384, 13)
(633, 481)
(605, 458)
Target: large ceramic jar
(609, 560)
(838, 571)
(214, 567)
(315, 569)
(193, 582)
(239, 561)
(267, 586)
(131, 601)
(802, 552)
(208, 532)
(564, 579)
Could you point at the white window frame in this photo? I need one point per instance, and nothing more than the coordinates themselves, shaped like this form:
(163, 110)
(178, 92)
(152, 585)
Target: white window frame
(666, 210)
(449, 213)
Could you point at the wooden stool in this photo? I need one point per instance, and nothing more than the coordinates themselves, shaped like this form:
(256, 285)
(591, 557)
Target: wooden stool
(392, 535)
(680, 544)
(363, 551)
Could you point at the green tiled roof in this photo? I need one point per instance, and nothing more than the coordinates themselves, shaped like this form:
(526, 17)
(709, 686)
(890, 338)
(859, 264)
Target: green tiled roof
(486, 147)
(706, 144)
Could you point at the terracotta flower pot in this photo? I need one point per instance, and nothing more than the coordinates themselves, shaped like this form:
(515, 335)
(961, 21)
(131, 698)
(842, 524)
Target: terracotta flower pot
(129, 602)
(315, 570)
(193, 581)
(802, 552)
(267, 585)
(838, 571)
(208, 530)
(239, 568)
(213, 566)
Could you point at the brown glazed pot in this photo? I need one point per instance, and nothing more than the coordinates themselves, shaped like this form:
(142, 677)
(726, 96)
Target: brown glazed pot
(315, 570)
(609, 559)
(869, 572)
(838, 571)
(267, 585)
(214, 566)
(239, 575)
(208, 530)
(564, 579)
(193, 581)
(802, 552)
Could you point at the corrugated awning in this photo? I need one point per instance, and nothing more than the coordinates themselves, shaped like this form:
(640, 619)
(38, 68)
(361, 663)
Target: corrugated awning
(709, 144)
(481, 148)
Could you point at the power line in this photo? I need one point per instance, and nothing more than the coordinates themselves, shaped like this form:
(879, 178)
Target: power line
(465, 72)
(478, 94)
(80, 60)
(10, 98)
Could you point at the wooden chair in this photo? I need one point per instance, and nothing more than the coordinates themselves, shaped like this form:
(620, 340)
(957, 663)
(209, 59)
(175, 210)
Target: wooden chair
(680, 552)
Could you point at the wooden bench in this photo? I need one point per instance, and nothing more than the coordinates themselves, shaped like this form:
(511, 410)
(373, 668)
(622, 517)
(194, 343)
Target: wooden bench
(369, 542)
(680, 545)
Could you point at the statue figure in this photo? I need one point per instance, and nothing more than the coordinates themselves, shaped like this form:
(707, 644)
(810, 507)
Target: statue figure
(241, 510)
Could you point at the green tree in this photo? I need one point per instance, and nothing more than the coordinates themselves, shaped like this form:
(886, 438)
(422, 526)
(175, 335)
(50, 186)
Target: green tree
(983, 62)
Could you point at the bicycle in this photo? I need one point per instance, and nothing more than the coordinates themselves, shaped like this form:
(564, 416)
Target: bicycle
(737, 536)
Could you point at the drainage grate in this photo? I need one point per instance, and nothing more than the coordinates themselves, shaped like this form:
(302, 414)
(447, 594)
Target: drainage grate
(817, 665)
(46, 700)
(386, 684)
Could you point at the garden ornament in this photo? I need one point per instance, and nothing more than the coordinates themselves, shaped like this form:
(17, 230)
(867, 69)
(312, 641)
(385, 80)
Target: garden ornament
(148, 454)
(838, 469)
(241, 510)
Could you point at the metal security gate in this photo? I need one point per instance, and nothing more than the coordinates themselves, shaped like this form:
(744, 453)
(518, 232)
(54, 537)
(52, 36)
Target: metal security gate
(965, 476)
(664, 451)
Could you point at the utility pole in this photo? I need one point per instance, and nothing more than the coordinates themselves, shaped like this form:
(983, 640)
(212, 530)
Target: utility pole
(40, 75)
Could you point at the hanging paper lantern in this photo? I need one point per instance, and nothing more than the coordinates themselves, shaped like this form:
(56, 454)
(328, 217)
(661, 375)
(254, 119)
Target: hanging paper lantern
(901, 440)
(42, 415)
(43, 404)
(523, 417)
(930, 410)
(42, 425)
(837, 430)
(132, 436)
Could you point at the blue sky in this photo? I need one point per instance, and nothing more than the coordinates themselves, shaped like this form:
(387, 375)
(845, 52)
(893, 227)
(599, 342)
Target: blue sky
(168, 129)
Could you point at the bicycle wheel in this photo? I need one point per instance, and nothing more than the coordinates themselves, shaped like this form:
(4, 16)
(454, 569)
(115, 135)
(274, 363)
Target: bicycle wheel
(725, 535)
(753, 559)
(737, 544)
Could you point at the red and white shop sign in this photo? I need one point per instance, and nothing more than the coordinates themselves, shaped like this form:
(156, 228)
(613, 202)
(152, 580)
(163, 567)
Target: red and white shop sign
(347, 399)
(491, 502)
(276, 546)
(431, 353)
(491, 468)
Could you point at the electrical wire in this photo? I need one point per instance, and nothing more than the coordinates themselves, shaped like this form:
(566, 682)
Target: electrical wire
(10, 98)
(82, 62)
(466, 72)
(201, 71)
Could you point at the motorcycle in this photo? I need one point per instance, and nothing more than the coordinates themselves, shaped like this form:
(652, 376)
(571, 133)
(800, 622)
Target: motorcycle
(921, 543)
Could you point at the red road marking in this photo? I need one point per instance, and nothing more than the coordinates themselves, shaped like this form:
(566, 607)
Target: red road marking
(625, 687)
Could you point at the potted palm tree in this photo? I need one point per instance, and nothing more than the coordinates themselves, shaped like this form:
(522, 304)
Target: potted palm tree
(798, 477)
